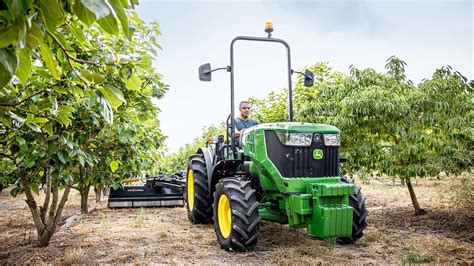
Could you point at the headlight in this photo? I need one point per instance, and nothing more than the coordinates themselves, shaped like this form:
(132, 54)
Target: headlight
(295, 139)
(332, 140)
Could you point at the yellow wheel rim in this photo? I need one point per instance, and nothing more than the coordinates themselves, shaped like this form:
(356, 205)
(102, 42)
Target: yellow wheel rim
(224, 215)
(190, 183)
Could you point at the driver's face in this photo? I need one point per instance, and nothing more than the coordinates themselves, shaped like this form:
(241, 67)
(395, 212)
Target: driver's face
(245, 110)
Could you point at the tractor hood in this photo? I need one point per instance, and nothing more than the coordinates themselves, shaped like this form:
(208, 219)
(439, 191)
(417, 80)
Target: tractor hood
(295, 127)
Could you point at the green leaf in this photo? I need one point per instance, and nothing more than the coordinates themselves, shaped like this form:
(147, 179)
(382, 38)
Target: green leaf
(66, 110)
(99, 7)
(15, 191)
(49, 129)
(8, 36)
(109, 24)
(30, 162)
(133, 83)
(8, 65)
(120, 13)
(115, 185)
(113, 95)
(64, 113)
(20, 140)
(79, 34)
(84, 14)
(53, 137)
(35, 188)
(17, 118)
(63, 120)
(34, 127)
(105, 109)
(81, 160)
(6, 121)
(21, 34)
(34, 38)
(60, 89)
(49, 60)
(52, 13)
(40, 120)
(52, 148)
(24, 69)
(93, 77)
(114, 166)
(61, 157)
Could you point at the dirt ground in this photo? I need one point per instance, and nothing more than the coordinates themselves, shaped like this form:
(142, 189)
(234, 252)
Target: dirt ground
(164, 235)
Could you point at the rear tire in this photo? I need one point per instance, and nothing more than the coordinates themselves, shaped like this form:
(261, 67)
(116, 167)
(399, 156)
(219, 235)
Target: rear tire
(198, 198)
(359, 217)
(236, 218)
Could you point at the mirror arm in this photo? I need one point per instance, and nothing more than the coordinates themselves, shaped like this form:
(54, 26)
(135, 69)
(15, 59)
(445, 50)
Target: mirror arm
(220, 68)
(301, 73)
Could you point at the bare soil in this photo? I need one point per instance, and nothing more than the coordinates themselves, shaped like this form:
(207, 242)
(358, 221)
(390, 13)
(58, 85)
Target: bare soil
(165, 235)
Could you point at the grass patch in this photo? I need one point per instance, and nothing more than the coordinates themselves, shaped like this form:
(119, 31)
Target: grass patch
(459, 193)
(330, 242)
(140, 219)
(105, 220)
(414, 255)
(73, 256)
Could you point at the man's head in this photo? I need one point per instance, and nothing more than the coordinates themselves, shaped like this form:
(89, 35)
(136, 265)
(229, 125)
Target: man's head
(244, 108)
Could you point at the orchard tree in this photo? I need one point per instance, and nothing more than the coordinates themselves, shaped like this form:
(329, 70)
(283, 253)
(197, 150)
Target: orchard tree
(67, 69)
(178, 161)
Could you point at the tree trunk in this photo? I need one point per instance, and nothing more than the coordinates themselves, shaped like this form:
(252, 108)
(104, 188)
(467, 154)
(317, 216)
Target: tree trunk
(414, 200)
(98, 194)
(45, 238)
(46, 217)
(84, 190)
(402, 181)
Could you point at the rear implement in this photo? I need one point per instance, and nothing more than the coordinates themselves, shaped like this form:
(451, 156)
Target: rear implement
(158, 191)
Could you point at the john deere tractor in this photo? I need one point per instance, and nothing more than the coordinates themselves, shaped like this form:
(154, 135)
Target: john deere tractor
(286, 172)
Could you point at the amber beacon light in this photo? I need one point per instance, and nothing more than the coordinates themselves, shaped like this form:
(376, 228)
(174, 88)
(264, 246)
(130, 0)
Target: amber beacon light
(269, 28)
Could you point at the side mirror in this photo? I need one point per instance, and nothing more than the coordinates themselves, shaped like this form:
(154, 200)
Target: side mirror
(205, 72)
(308, 78)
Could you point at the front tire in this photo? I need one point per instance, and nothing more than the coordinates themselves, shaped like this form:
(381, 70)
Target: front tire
(359, 216)
(198, 197)
(236, 218)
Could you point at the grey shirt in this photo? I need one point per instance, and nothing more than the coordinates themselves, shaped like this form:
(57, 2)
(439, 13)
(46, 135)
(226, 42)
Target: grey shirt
(241, 124)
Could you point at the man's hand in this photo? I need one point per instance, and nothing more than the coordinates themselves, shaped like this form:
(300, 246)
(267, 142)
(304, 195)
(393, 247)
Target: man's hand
(237, 133)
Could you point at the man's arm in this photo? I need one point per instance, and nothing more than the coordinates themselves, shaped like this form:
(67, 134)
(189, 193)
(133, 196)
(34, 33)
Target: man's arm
(238, 127)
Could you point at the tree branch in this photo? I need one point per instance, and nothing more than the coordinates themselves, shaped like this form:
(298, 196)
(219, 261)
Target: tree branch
(31, 202)
(44, 209)
(29, 97)
(69, 55)
(62, 203)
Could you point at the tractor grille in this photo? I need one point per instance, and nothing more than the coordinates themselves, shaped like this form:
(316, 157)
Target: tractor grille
(298, 161)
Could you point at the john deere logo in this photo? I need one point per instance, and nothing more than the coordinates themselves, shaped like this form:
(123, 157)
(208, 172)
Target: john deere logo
(318, 154)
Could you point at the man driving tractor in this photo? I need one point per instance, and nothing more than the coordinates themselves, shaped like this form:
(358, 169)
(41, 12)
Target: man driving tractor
(244, 120)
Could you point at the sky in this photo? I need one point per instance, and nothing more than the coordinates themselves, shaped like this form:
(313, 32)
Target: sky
(425, 34)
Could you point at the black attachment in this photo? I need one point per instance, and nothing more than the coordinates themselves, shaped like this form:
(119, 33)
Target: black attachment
(205, 71)
(158, 191)
(308, 77)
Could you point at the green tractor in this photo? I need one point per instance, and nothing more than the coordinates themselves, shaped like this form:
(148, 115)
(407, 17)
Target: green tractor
(284, 172)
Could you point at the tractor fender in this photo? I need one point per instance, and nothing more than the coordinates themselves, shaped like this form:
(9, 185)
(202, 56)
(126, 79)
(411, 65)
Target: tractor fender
(208, 158)
(223, 169)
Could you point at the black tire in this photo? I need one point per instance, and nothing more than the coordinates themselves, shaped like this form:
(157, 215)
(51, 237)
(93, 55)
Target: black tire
(200, 208)
(245, 220)
(359, 217)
